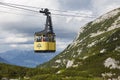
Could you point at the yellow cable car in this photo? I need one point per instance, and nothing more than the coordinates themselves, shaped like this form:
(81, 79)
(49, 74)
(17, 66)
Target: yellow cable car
(44, 41)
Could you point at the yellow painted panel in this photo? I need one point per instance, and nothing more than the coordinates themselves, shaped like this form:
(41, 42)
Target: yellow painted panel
(41, 45)
(52, 46)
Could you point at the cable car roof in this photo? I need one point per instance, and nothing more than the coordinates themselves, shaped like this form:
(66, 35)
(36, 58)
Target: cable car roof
(44, 32)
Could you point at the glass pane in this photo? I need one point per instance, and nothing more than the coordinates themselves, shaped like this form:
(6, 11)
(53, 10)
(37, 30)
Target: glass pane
(45, 38)
(38, 38)
(51, 38)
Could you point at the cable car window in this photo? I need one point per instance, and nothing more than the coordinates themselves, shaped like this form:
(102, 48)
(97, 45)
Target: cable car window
(35, 39)
(45, 38)
(38, 38)
(51, 38)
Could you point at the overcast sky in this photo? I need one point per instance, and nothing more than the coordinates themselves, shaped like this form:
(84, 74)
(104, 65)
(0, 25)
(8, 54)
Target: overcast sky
(17, 28)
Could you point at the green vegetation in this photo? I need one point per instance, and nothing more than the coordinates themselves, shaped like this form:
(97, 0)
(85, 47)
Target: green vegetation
(11, 71)
(15, 72)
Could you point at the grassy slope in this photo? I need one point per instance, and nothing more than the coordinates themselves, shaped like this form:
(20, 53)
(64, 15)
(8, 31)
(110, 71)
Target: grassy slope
(12, 71)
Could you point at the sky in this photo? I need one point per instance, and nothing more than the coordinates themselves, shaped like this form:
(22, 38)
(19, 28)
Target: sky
(17, 27)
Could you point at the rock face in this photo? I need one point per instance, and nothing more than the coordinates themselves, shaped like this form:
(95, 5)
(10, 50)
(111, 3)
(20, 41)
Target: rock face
(95, 49)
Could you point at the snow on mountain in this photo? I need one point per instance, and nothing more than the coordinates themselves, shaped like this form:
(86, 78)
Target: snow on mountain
(111, 63)
(107, 16)
(58, 61)
(98, 33)
(103, 50)
(69, 63)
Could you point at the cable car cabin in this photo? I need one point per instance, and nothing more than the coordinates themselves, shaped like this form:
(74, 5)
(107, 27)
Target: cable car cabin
(44, 41)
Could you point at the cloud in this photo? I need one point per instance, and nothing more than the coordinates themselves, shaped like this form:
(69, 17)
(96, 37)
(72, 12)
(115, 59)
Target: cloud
(75, 4)
(62, 43)
(17, 31)
(37, 3)
(82, 15)
(102, 6)
(15, 40)
(21, 46)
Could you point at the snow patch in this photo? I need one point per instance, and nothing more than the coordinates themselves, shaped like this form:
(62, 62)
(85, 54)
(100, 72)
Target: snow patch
(58, 61)
(75, 65)
(74, 43)
(81, 40)
(117, 48)
(85, 57)
(59, 72)
(92, 44)
(74, 56)
(102, 38)
(114, 25)
(111, 63)
(108, 74)
(106, 16)
(64, 61)
(69, 63)
(79, 51)
(55, 66)
(115, 38)
(118, 77)
(96, 34)
(103, 50)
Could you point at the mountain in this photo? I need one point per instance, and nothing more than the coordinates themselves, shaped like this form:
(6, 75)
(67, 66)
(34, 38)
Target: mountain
(3, 60)
(26, 58)
(95, 51)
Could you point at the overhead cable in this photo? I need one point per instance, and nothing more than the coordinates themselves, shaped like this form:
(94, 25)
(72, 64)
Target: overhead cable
(22, 7)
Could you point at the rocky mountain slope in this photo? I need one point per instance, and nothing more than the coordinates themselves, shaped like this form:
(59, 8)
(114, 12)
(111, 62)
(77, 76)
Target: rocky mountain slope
(95, 50)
